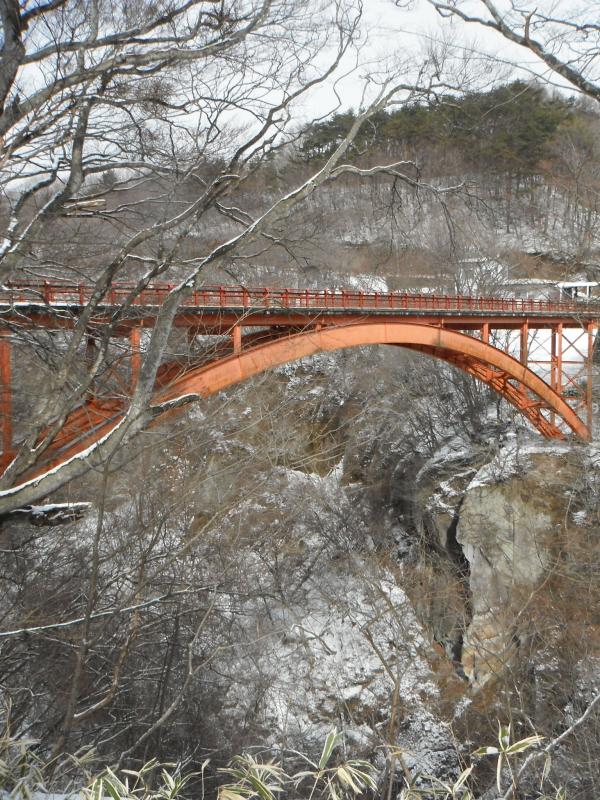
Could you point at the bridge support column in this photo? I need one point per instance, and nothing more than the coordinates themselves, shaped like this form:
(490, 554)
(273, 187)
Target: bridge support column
(135, 336)
(524, 347)
(553, 365)
(589, 384)
(485, 333)
(236, 336)
(558, 358)
(524, 343)
(6, 410)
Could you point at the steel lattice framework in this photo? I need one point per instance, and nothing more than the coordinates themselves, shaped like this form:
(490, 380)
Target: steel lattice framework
(537, 354)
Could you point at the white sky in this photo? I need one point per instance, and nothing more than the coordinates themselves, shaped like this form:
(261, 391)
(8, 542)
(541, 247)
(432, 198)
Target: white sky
(399, 35)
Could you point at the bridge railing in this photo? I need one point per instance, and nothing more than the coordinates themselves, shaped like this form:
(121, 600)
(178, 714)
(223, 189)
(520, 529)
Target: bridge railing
(58, 294)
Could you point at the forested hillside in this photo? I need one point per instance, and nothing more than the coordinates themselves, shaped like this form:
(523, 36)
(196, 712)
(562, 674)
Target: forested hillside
(509, 129)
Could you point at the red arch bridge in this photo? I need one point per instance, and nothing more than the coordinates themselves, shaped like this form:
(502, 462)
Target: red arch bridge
(537, 354)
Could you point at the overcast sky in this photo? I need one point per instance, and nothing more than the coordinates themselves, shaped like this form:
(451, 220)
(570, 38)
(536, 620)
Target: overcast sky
(401, 37)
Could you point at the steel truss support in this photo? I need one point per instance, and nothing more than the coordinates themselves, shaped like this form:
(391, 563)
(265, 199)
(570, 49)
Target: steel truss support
(549, 409)
(6, 403)
(135, 338)
(236, 338)
(589, 385)
(556, 351)
(481, 360)
(524, 343)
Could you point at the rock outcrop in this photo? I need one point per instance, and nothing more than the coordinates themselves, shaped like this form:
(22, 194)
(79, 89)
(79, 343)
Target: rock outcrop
(511, 529)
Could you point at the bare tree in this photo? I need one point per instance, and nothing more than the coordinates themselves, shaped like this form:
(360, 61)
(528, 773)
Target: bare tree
(566, 37)
(130, 139)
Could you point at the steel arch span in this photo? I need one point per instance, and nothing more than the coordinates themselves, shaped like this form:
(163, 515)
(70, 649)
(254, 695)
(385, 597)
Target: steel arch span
(514, 381)
(479, 359)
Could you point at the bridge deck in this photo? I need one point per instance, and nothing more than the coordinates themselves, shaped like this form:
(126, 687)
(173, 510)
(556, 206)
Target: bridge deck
(55, 305)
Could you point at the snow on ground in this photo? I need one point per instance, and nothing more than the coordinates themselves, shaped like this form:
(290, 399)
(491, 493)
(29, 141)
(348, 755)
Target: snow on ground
(328, 665)
(367, 283)
(326, 647)
(53, 513)
(513, 458)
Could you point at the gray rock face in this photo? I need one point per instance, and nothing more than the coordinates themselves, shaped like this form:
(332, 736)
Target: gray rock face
(499, 522)
(511, 522)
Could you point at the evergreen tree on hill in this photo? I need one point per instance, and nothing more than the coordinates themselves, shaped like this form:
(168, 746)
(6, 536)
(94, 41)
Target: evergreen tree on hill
(506, 130)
